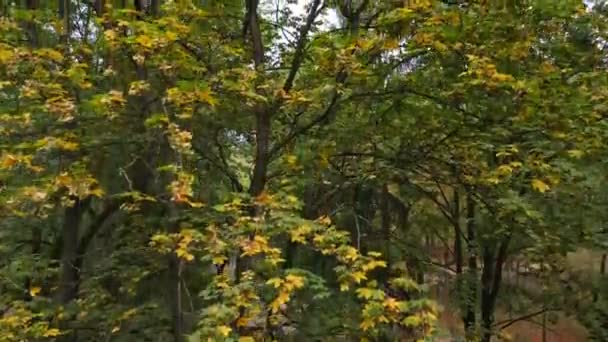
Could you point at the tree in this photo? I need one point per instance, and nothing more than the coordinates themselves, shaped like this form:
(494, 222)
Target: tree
(216, 170)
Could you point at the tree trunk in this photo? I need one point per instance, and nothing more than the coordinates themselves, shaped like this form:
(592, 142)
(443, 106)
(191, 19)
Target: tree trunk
(385, 215)
(491, 279)
(175, 293)
(154, 7)
(100, 7)
(458, 257)
(70, 272)
(260, 170)
(471, 279)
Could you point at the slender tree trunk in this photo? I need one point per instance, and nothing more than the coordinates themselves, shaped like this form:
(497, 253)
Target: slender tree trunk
(175, 293)
(487, 306)
(544, 323)
(491, 279)
(458, 257)
(462, 285)
(70, 272)
(385, 215)
(154, 7)
(100, 7)
(471, 279)
(260, 170)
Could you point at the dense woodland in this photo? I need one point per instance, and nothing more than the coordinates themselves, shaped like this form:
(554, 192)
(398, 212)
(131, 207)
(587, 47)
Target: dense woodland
(319, 170)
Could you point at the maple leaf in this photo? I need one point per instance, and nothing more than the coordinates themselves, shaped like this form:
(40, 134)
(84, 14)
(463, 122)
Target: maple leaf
(276, 282)
(145, 41)
(358, 276)
(295, 281)
(34, 291)
(224, 330)
(8, 161)
(53, 332)
(391, 304)
(539, 185)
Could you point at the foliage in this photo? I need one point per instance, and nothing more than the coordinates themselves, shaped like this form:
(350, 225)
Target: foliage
(242, 170)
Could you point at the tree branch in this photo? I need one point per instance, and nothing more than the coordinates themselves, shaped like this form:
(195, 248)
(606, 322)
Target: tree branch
(295, 132)
(299, 53)
(507, 323)
(94, 228)
(236, 184)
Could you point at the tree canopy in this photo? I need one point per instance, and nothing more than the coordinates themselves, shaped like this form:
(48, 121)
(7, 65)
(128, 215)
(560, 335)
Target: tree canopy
(320, 170)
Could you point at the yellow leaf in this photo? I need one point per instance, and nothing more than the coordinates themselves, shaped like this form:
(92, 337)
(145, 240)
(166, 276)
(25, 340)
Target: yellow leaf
(224, 330)
(145, 41)
(296, 281)
(242, 322)
(575, 153)
(292, 199)
(8, 161)
(34, 291)
(373, 264)
(260, 239)
(218, 260)
(365, 293)
(246, 339)
(292, 160)
(276, 282)
(6, 55)
(207, 97)
(97, 192)
(281, 299)
(115, 329)
(390, 44)
(264, 198)
(366, 324)
(504, 170)
(110, 35)
(51, 54)
(53, 332)
(492, 180)
(299, 234)
(439, 46)
(359, 276)
(351, 254)
(391, 304)
(539, 185)
(325, 220)
(411, 321)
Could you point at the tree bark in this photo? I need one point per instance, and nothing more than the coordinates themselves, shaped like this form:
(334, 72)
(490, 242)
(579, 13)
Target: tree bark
(253, 26)
(175, 293)
(100, 7)
(154, 7)
(458, 256)
(471, 280)
(491, 279)
(385, 215)
(70, 273)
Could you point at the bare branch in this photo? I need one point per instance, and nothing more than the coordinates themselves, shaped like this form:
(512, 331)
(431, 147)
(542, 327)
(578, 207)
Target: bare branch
(236, 184)
(507, 323)
(296, 131)
(299, 53)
